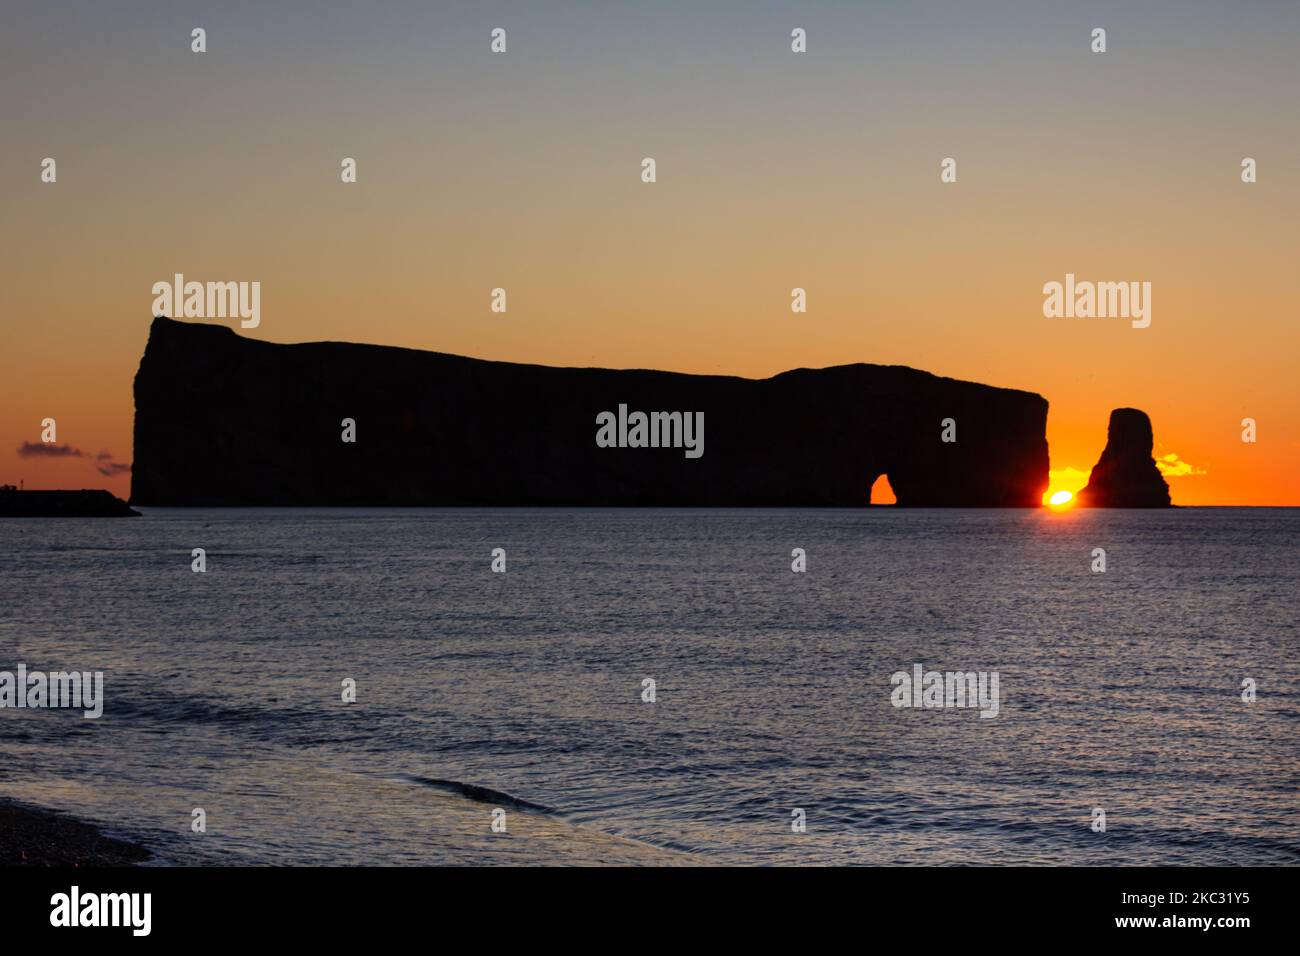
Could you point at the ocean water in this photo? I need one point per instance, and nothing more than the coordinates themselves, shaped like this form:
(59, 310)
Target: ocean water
(1118, 690)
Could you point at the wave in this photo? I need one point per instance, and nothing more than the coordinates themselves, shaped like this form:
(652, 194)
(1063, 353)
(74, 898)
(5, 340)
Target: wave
(477, 793)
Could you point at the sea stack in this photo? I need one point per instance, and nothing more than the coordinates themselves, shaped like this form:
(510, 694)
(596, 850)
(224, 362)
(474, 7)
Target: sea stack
(1126, 475)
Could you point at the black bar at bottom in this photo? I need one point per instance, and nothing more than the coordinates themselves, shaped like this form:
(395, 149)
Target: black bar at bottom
(950, 907)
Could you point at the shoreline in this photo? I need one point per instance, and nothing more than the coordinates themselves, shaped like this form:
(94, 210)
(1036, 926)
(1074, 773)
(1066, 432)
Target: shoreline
(35, 836)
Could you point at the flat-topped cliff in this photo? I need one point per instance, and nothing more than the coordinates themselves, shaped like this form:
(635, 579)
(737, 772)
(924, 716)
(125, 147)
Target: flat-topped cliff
(225, 420)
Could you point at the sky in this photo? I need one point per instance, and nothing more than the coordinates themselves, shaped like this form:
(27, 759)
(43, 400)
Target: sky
(775, 170)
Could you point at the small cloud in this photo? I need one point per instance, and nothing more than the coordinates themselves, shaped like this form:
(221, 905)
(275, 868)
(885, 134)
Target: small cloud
(36, 449)
(103, 462)
(1171, 466)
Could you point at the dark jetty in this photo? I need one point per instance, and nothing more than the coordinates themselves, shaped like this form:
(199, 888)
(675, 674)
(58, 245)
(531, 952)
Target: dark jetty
(1126, 475)
(225, 420)
(87, 503)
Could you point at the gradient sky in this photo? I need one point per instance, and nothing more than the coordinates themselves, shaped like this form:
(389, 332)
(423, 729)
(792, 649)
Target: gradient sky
(775, 170)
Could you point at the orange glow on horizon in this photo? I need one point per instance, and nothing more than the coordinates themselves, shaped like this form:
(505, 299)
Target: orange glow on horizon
(1063, 484)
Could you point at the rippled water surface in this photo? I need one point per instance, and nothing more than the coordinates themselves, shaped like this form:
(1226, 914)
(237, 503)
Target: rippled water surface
(1119, 691)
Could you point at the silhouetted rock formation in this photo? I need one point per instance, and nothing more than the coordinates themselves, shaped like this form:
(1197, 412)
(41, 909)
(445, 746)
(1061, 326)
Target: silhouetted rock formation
(87, 503)
(1126, 475)
(225, 420)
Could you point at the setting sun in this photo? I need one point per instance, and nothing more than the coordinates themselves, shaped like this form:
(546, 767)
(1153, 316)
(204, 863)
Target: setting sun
(1061, 498)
